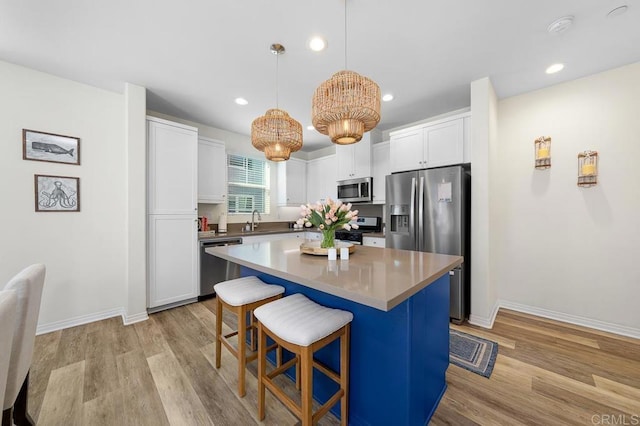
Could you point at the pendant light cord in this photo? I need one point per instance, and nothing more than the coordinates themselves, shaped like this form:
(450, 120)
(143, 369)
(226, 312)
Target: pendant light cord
(345, 34)
(277, 64)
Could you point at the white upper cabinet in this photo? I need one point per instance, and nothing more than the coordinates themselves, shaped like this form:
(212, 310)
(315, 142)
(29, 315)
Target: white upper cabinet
(321, 179)
(407, 151)
(354, 161)
(173, 167)
(381, 168)
(440, 143)
(444, 143)
(212, 171)
(292, 182)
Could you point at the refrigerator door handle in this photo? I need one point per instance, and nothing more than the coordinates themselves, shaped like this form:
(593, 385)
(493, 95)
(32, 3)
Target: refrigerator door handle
(412, 213)
(421, 215)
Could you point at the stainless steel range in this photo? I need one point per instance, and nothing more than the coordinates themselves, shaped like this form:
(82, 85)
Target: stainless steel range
(366, 224)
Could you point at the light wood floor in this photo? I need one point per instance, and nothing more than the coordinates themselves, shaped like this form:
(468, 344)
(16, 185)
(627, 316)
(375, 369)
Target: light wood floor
(160, 372)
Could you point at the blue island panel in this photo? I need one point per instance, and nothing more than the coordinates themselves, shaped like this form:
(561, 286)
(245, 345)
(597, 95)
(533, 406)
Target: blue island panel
(398, 358)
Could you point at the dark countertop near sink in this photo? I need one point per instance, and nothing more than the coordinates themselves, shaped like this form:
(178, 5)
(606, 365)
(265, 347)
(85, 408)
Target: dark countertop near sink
(236, 234)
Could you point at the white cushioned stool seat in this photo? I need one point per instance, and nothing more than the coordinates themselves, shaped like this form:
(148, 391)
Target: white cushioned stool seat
(300, 321)
(245, 290)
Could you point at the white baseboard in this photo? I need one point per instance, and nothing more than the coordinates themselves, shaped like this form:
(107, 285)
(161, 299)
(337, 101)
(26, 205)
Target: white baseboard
(86, 319)
(83, 319)
(132, 319)
(485, 322)
(571, 319)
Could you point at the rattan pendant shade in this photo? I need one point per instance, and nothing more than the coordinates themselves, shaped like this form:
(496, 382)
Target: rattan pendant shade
(346, 106)
(276, 133)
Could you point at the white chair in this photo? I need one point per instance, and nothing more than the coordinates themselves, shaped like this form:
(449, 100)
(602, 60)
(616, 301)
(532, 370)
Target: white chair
(8, 307)
(28, 287)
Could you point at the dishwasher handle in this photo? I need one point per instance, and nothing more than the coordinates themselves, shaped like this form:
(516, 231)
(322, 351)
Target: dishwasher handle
(219, 243)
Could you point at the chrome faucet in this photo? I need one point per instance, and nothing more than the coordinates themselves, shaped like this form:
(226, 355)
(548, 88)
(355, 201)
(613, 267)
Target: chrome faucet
(253, 221)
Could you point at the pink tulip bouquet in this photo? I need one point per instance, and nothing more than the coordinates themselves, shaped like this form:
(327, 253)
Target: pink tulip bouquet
(328, 217)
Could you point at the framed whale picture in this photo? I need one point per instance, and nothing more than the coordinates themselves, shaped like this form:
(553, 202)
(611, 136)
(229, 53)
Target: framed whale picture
(57, 193)
(41, 146)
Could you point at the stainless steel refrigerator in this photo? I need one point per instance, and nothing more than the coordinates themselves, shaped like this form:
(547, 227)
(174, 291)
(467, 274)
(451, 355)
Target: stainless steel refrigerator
(430, 210)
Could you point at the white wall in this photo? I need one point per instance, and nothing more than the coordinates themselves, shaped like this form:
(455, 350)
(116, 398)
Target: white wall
(571, 252)
(136, 129)
(85, 252)
(484, 294)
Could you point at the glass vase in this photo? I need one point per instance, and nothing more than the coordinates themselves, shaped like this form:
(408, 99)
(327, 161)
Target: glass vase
(328, 238)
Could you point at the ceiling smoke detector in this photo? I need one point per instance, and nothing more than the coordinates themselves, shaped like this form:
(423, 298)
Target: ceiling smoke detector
(560, 25)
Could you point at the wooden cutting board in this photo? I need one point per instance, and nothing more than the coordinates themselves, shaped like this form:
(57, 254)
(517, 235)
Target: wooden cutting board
(313, 247)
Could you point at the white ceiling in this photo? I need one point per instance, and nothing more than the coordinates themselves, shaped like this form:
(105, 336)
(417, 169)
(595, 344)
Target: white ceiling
(196, 56)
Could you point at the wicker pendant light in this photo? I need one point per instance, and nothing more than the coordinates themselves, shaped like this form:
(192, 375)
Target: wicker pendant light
(346, 105)
(276, 133)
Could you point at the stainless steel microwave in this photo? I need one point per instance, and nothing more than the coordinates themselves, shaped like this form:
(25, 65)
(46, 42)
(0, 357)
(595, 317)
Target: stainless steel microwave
(355, 190)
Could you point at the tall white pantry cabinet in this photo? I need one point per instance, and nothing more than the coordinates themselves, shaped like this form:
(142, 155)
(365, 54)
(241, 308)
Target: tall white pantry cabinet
(172, 208)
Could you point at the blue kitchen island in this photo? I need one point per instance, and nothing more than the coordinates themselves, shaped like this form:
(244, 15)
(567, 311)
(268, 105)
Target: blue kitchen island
(400, 330)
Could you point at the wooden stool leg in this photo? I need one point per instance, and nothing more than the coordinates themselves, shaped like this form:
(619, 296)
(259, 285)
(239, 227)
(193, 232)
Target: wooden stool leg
(253, 341)
(242, 348)
(306, 356)
(278, 356)
(262, 370)
(298, 372)
(344, 374)
(218, 331)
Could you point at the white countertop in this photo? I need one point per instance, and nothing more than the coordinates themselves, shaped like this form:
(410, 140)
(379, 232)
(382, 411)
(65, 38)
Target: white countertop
(377, 277)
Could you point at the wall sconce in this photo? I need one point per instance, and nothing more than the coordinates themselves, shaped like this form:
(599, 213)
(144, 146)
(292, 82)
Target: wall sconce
(588, 168)
(542, 151)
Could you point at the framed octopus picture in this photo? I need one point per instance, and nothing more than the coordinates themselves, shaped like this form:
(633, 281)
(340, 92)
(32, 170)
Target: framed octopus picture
(57, 193)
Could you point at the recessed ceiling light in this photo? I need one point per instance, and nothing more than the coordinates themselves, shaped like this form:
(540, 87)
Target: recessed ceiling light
(317, 44)
(617, 11)
(388, 97)
(311, 127)
(241, 101)
(555, 68)
(560, 25)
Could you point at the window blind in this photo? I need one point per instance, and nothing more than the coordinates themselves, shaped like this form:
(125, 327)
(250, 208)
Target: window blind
(248, 185)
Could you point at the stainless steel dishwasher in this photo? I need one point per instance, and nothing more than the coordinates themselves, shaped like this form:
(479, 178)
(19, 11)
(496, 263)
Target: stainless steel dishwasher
(214, 269)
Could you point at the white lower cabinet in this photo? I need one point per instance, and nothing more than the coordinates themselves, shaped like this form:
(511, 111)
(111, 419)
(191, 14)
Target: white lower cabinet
(314, 236)
(373, 242)
(173, 259)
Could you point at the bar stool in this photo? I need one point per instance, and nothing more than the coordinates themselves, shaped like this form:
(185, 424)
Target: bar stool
(302, 326)
(242, 296)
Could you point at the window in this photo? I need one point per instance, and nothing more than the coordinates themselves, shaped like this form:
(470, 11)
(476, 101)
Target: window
(248, 180)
